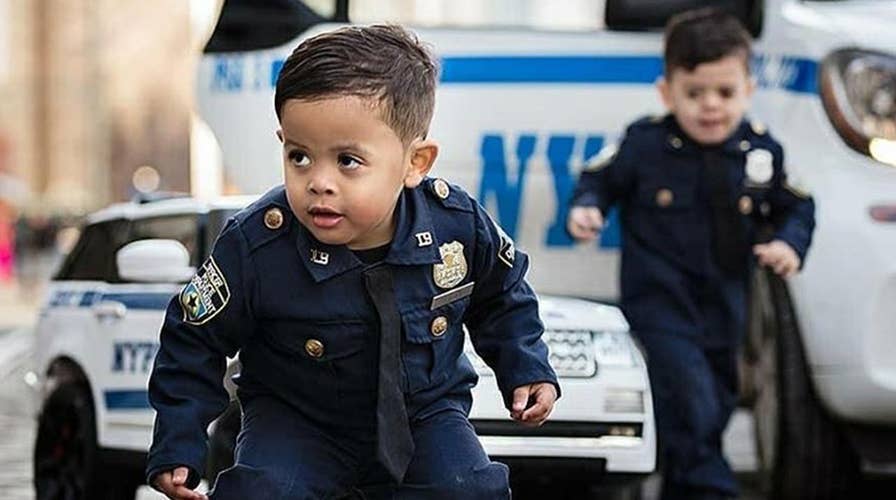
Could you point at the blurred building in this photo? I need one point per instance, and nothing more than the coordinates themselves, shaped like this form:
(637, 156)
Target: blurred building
(92, 90)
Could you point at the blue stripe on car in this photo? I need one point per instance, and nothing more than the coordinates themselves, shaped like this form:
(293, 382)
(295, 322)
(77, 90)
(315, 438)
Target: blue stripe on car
(129, 399)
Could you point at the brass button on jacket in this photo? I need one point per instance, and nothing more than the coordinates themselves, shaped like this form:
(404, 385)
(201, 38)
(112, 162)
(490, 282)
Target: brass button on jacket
(314, 348)
(439, 326)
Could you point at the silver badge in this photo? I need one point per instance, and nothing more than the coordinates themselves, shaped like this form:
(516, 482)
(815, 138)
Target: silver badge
(453, 268)
(759, 168)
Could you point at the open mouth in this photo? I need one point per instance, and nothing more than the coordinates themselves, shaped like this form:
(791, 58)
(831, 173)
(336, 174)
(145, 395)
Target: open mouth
(324, 217)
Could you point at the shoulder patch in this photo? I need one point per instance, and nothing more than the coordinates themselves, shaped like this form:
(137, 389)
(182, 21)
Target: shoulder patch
(603, 158)
(205, 295)
(506, 247)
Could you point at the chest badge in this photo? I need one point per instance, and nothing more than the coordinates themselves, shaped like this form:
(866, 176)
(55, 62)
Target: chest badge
(453, 268)
(759, 167)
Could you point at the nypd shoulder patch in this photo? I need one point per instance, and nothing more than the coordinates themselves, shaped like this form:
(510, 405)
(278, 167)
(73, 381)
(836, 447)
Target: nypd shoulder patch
(205, 295)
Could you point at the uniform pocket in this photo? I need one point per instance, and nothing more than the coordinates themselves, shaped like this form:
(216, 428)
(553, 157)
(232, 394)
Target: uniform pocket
(323, 360)
(434, 341)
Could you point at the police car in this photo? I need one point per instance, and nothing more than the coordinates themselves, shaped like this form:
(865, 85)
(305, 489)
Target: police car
(98, 332)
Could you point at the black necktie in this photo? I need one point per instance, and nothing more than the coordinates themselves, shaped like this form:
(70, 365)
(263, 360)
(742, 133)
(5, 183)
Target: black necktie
(395, 446)
(728, 233)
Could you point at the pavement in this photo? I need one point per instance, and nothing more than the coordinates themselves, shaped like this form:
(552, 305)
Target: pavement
(19, 305)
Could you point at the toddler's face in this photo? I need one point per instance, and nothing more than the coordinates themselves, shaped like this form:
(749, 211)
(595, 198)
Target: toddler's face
(710, 101)
(344, 169)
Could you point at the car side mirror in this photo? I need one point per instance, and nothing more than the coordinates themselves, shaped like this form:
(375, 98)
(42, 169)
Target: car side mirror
(154, 261)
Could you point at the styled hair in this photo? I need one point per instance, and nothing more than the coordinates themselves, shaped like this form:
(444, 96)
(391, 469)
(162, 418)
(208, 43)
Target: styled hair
(384, 63)
(704, 35)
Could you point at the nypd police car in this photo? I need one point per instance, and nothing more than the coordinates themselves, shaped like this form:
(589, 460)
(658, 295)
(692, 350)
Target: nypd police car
(97, 336)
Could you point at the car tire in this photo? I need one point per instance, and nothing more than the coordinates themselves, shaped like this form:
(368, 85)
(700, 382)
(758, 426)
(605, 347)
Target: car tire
(802, 452)
(67, 463)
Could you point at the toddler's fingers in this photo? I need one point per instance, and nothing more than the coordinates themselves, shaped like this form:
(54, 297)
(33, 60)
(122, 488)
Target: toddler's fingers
(520, 398)
(180, 475)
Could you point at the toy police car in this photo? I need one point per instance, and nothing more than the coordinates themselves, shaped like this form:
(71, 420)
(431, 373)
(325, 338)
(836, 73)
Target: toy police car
(98, 331)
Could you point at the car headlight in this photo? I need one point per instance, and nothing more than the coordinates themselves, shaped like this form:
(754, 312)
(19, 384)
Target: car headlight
(858, 91)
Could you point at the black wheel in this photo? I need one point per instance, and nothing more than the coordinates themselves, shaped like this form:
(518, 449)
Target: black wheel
(67, 462)
(65, 452)
(222, 442)
(802, 452)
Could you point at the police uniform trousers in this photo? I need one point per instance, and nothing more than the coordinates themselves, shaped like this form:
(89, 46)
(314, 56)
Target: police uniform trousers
(694, 382)
(280, 455)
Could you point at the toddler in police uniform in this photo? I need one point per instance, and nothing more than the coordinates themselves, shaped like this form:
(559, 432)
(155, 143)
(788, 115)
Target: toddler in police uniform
(345, 292)
(695, 189)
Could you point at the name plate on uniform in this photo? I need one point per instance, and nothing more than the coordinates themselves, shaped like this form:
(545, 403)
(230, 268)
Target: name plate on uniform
(452, 295)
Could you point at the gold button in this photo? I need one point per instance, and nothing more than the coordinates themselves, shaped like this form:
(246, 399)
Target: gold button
(675, 142)
(439, 326)
(314, 348)
(745, 145)
(273, 218)
(664, 197)
(441, 188)
(745, 205)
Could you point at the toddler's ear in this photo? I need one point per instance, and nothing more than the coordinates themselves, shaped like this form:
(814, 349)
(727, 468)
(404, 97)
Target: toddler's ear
(422, 157)
(662, 86)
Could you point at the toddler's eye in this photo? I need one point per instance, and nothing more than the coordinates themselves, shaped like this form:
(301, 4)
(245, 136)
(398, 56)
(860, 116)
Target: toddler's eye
(349, 162)
(694, 93)
(299, 159)
(726, 92)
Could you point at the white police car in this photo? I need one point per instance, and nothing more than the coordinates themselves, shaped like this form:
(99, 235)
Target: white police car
(98, 332)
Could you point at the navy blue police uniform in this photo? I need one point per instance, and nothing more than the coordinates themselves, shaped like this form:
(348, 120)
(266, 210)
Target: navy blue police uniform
(309, 331)
(690, 215)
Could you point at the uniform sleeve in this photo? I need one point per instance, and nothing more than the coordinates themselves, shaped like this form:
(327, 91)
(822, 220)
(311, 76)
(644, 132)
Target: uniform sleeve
(503, 316)
(606, 178)
(207, 322)
(793, 210)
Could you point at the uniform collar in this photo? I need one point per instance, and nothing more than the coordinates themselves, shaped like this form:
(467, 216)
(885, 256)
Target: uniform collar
(678, 141)
(415, 240)
(410, 245)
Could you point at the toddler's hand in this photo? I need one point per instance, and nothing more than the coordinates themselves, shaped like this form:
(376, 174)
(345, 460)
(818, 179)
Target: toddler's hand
(584, 223)
(172, 484)
(779, 256)
(542, 395)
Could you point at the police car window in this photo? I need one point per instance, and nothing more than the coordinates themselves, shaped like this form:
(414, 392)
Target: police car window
(93, 257)
(540, 14)
(245, 25)
(214, 225)
(183, 228)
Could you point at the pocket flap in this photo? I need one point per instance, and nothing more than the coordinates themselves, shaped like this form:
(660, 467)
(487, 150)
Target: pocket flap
(320, 341)
(424, 326)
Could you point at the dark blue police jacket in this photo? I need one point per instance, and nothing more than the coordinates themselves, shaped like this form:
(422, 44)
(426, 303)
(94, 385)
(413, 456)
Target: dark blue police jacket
(670, 277)
(298, 313)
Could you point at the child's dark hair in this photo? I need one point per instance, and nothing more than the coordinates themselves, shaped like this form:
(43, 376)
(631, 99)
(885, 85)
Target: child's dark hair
(385, 63)
(704, 35)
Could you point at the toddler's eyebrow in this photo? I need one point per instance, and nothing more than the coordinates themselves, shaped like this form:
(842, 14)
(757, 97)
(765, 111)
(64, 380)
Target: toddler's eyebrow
(350, 146)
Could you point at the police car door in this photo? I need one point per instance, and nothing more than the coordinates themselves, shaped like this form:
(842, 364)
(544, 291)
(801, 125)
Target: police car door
(128, 316)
